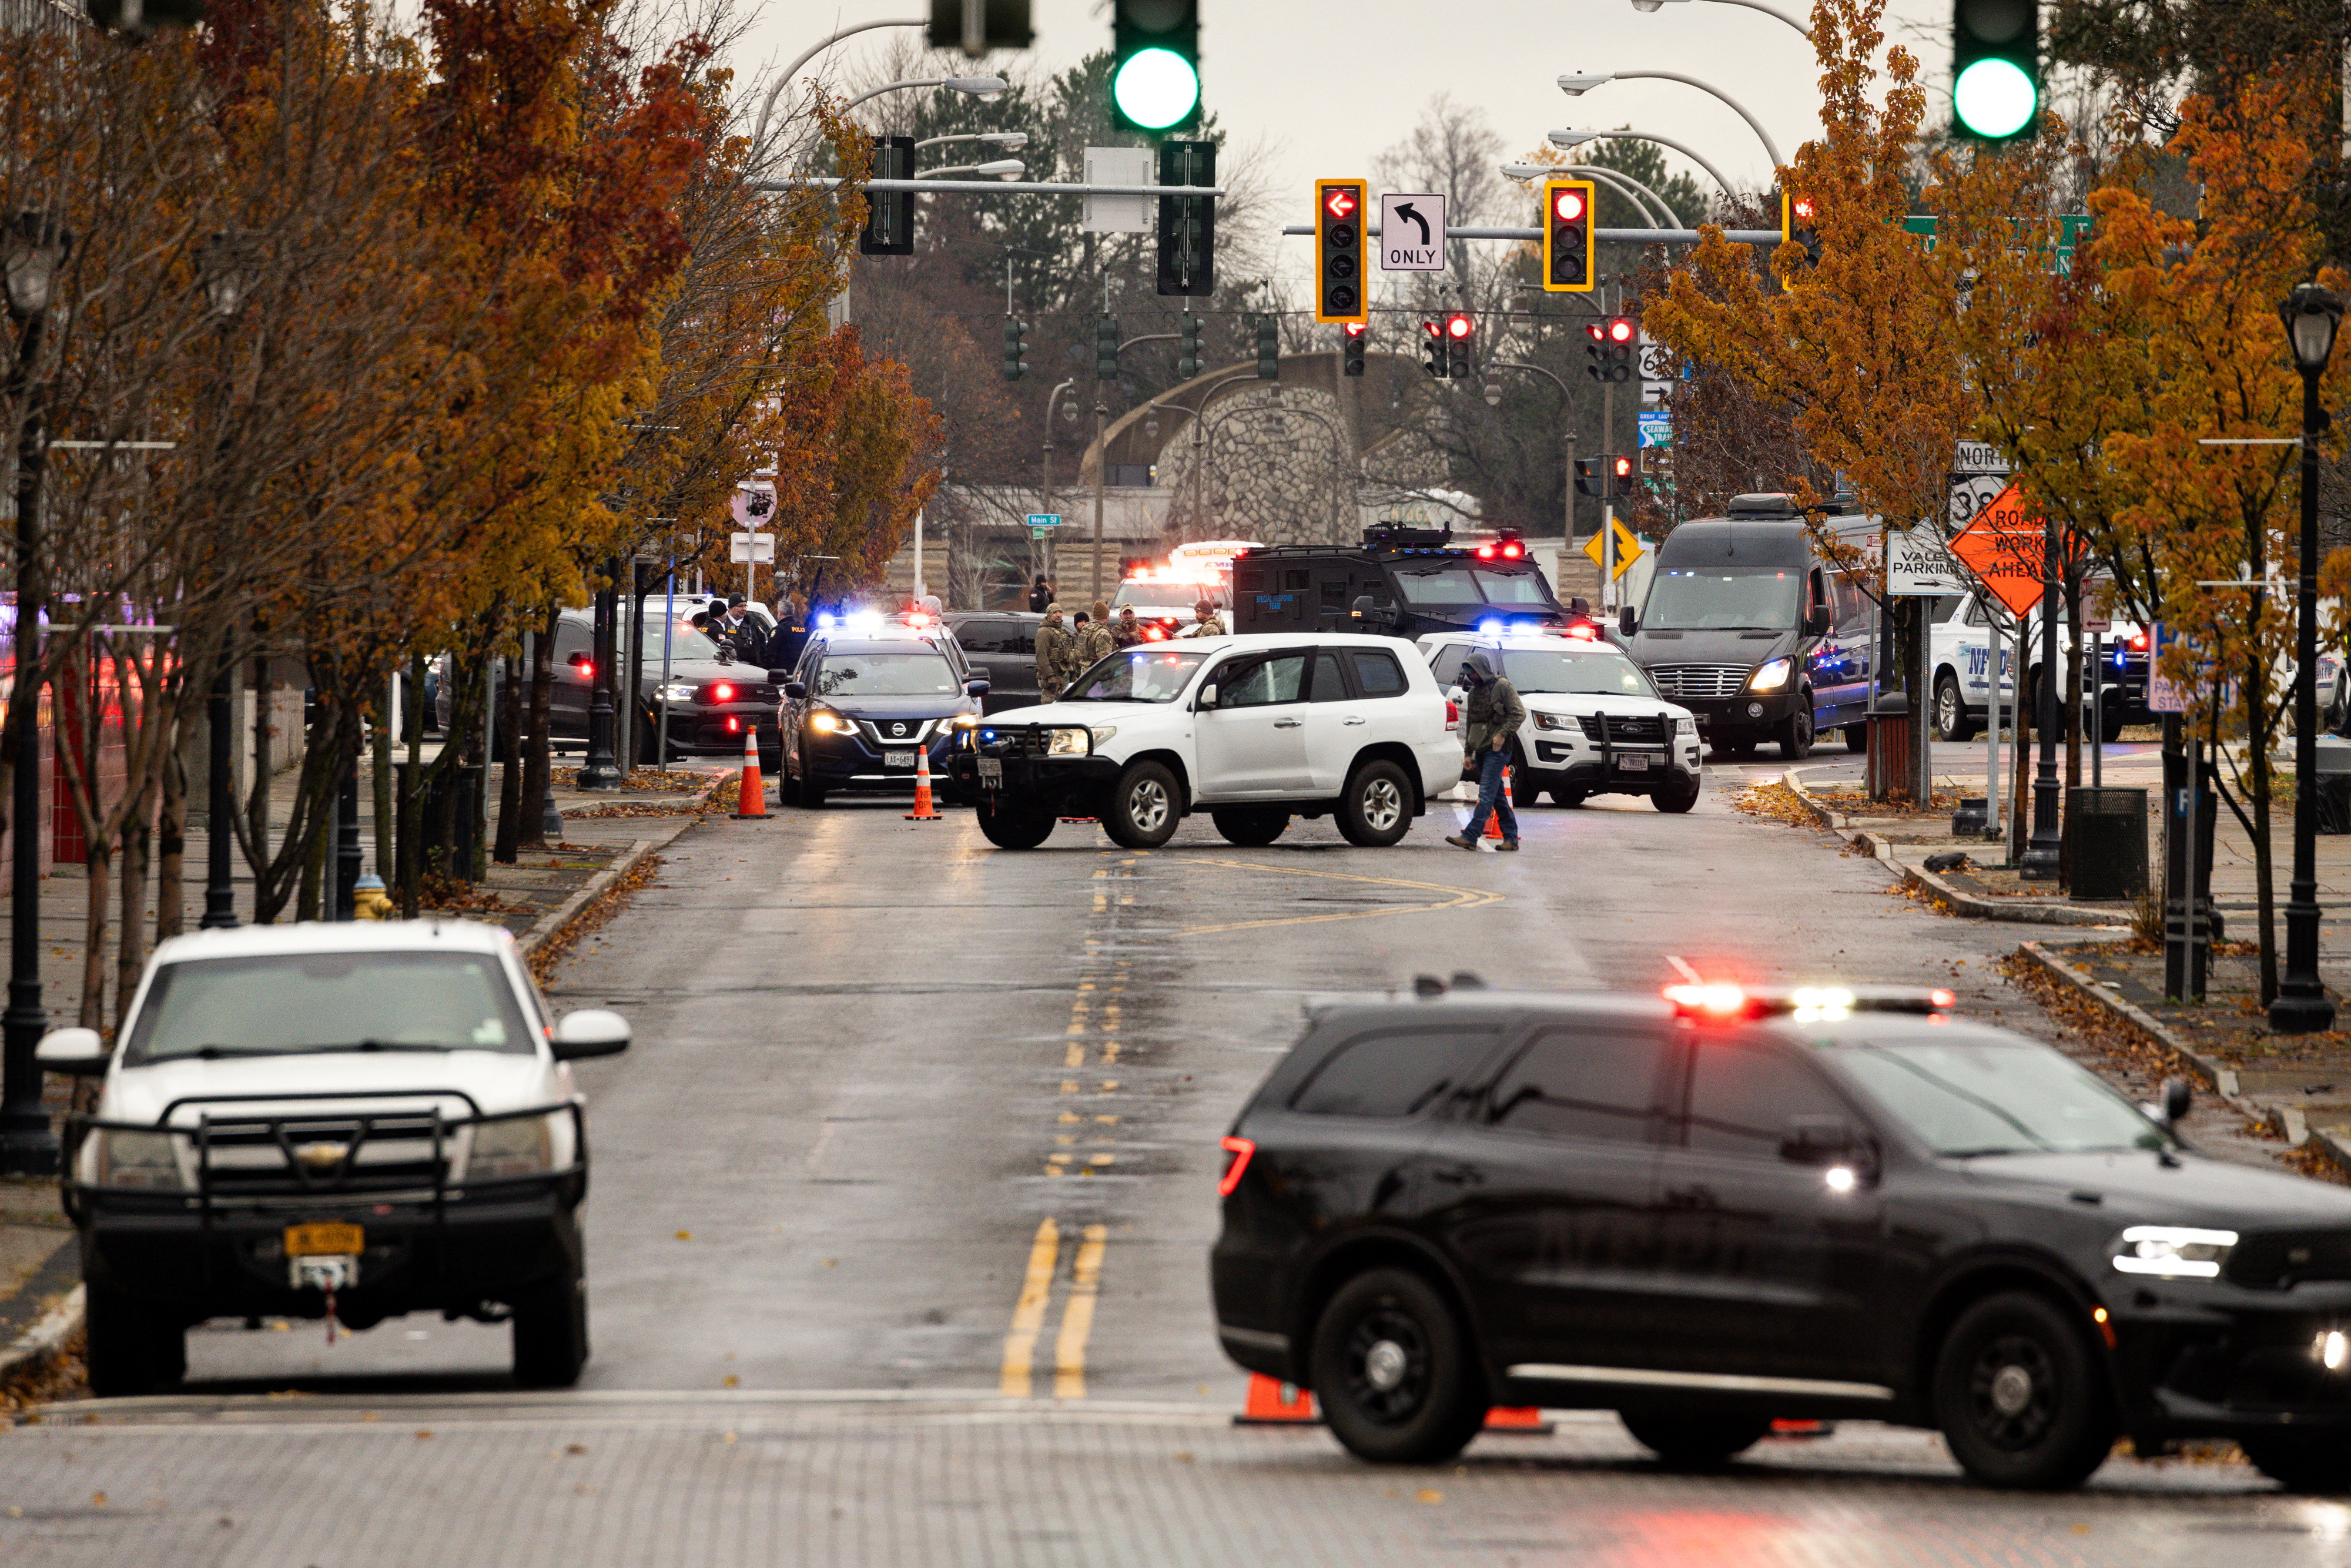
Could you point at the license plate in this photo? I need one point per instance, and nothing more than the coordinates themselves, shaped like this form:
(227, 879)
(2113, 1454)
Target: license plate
(898, 759)
(991, 772)
(326, 1240)
(1634, 763)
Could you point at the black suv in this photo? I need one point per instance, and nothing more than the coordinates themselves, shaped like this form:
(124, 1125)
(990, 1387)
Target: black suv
(1709, 1212)
(864, 701)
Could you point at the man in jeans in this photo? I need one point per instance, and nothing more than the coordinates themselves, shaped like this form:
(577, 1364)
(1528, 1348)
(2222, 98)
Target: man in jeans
(1490, 718)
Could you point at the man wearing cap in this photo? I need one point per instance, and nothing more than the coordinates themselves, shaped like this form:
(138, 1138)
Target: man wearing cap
(1097, 641)
(1209, 624)
(1053, 653)
(1126, 631)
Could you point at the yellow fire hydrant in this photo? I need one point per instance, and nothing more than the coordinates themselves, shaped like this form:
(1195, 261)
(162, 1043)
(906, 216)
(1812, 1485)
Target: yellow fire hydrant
(369, 900)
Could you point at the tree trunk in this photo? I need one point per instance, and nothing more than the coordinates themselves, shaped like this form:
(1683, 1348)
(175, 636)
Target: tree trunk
(537, 755)
(2258, 737)
(510, 767)
(96, 870)
(131, 945)
(381, 803)
(172, 845)
(257, 810)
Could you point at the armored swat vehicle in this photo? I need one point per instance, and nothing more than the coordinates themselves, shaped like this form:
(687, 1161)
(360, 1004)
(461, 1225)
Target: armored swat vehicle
(1404, 582)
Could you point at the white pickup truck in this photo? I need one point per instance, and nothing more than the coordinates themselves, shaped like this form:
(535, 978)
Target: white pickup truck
(1254, 730)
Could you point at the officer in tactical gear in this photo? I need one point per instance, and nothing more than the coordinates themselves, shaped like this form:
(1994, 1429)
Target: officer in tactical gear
(1209, 624)
(1053, 653)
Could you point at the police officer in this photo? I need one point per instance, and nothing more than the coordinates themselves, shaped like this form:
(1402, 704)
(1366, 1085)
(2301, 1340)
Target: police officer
(1210, 624)
(1053, 651)
(1039, 596)
(1492, 717)
(1097, 641)
(750, 639)
(1128, 630)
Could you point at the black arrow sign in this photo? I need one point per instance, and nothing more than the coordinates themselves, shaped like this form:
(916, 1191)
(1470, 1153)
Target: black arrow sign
(1407, 210)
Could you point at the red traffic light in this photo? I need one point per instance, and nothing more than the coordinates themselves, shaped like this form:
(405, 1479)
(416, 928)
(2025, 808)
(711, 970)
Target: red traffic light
(1621, 330)
(1801, 206)
(1354, 329)
(1622, 466)
(1595, 331)
(1460, 325)
(1339, 203)
(1430, 328)
(1567, 205)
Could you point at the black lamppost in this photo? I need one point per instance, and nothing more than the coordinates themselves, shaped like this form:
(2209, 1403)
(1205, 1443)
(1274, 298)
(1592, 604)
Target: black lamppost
(33, 247)
(599, 770)
(2311, 314)
(2044, 853)
(226, 262)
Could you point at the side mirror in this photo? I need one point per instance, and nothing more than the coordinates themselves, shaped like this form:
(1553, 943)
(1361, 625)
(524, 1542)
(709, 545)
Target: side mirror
(779, 677)
(1817, 624)
(1627, 621)
(796, 690)
(1207, 697)
(591, 1031)
(78, 1051)
(1829, 1143)
(976, 687)
(580, 659)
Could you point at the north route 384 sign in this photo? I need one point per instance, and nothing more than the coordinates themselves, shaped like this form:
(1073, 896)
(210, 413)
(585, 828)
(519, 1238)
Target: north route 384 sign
(2006, 545)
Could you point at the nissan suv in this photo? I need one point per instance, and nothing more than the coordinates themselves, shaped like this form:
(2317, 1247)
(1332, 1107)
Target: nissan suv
(1727, 1207)
(865, 701)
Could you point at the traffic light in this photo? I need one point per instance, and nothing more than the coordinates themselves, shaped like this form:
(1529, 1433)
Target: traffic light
(1187, 356)
(999, 25)
(1105, 348)
(1611, 349)
(1354, 332)
(1268, 349)
(1569, 237)
(1187, 224)
(1155, 71)
(1800, 225)
(1460, 339)
(889, 214)
(1432, 352)
(1995, 68)
(1591, 476)
(1338, 250)
(1621, 481)
(1015, 349)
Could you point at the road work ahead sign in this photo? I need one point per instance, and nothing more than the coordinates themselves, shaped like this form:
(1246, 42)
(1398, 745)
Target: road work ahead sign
(2007, 547)
(1412, 233)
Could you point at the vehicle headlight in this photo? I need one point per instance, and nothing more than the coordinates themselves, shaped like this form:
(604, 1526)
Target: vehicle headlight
(1553, 721)
(1102, 732)
(2173, 1252)
(964, 721)
(1069, 743)
(142, 1160)
(520, 1145)
(675, 692)
(824, 721)
(1771, 677)
(1686, 724)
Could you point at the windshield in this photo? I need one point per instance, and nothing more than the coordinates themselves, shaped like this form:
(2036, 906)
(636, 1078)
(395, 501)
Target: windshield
(1157, 674)
(854, 675)
(287, 1003)
(1998, 1098)
(1439, 585)
(1608, 674)
(1163, 593)
(1722, 599)
(685, 643)
(1513, 587)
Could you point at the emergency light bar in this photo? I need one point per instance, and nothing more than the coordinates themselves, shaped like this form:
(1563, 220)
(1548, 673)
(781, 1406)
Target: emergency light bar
(1721, 1002)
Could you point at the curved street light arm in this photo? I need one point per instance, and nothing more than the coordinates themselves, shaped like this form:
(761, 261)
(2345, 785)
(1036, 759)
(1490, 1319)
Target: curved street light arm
(1686, 152)
(1522, 365)
(767, 104)
(1752, 123)
(1633, 191)
(894, 87)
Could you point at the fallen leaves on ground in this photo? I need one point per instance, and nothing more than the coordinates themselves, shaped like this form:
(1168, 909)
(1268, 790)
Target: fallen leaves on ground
(635, 779)
(599, 909)
(1778, 802)
(2108, 1033)
(63, 1377)
(448, 896)
(2314, 1161)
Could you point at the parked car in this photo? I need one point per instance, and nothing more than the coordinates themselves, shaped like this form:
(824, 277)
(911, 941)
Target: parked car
(1001, 646)
(1253, 730)
(354, 1121)
(868, 696)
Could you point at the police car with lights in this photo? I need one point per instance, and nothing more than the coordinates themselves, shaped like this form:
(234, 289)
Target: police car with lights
(1404, 581)
(1595, 724)
(869, 695)
(1724, 1207)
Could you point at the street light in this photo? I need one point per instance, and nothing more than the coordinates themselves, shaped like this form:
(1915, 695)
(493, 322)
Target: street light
(1003, 168)
(229, 265)
(1577, 85)
(1640, 195)
(32, 249)
(2311, 314)
(784, 78)
(1651, 6)
(987, 89)
(1564, 140)
(1009, 140)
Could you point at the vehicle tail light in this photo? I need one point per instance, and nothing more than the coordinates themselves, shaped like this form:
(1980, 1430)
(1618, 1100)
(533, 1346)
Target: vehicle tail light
(1238, 1151)
(2138, 642)
(1452, 714)
(733, 725)
(1156, 633)
(722, 693)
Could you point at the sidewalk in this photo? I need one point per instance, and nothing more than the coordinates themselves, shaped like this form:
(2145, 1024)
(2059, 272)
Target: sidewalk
(542, 899)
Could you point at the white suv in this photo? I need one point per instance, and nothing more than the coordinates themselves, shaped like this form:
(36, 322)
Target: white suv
(348, 1122)
(1253, 730)
(1595, 724)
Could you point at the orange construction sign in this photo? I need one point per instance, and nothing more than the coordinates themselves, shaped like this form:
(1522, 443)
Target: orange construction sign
(2007, 547)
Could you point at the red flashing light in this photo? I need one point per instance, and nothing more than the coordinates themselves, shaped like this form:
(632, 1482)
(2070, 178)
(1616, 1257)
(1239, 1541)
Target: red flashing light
(1240, 1149)
(1340, 203)
(1430, 328)
(1355, 328)
(1620, 331)
(1155, 633)
(1512, 553)
(1567, 205)
(1585, 633)
(1939, 1000)
(1801, 206)
(1718, 1001)
(2138, 642)
(722, 693)
(1485, 552)
(733, 725)
(1459, 326)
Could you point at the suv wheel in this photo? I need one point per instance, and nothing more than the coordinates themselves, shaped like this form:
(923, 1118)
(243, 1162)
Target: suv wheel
(1007, 829)
(1394, 1370)
(1951, 712)
(1676, 797)
(2301, 1461)
(1695, 1440)
(1567, 796)
(1251, 826)
(550, 1333)
(131, 1348)
(1796, 731)
(2019, 1399)
(1143, 809)
(1375, 808)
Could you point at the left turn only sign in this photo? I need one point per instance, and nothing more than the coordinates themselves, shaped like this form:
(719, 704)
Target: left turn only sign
(1412, 232)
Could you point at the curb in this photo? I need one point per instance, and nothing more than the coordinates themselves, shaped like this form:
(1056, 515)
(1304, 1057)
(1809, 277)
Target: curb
(553, 922)
(2285, 1120)
(42, 1344)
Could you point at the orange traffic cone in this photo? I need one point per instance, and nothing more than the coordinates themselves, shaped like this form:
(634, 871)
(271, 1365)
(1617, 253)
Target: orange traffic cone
(751, 796)
(924, 810)
(1494, 823)
(1518, 1421)
(1273, 1403)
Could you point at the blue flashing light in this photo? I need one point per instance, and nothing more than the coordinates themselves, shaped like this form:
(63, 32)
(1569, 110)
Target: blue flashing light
(827, 622)
(1491, 628)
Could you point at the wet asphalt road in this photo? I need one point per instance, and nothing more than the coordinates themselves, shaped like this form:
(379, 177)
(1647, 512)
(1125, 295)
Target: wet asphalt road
(912, 1167)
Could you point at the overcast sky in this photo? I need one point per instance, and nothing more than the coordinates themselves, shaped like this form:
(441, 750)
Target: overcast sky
(1330, 83)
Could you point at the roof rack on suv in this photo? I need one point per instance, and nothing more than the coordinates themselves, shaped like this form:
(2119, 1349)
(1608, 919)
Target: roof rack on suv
(1762, 505)
(1721, 1001)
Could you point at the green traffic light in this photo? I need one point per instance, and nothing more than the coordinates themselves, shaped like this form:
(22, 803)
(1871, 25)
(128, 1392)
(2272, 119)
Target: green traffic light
(1156, 88)
(1994, 99)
